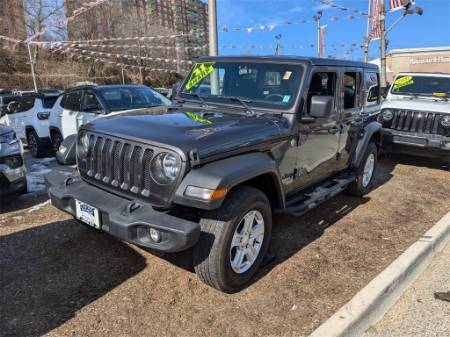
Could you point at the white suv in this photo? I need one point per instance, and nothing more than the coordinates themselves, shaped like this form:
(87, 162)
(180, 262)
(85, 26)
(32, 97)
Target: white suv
(27, 113)
(81, 104)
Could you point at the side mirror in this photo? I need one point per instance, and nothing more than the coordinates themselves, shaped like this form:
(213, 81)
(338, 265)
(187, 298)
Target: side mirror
(321, 106)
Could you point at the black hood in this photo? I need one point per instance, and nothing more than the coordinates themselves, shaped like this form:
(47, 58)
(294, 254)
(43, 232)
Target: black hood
(209, 132)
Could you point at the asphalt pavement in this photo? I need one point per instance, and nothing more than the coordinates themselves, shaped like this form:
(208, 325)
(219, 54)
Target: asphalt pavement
(418, 312)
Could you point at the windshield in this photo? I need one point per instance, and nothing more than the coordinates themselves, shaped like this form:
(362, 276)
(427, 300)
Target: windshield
(257, 84)
(127, 98)
(421, 85)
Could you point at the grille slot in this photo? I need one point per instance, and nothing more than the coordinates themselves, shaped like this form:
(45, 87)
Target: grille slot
(417, 121)
(119, 164)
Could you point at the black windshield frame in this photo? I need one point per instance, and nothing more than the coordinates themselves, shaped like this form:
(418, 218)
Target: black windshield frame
(298, 69)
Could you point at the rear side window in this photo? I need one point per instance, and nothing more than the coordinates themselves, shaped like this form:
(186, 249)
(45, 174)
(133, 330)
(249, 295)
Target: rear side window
(352, 90)
(49, 102)
(22, 104)
(72, 101)
(372, 85)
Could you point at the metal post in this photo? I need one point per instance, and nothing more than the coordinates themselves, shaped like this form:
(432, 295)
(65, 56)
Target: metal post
(213, 50)
(123, 77)
(278, 45)
(382, 45)
(212, 19)
(317, 19)
(367, 39)
(32, 68)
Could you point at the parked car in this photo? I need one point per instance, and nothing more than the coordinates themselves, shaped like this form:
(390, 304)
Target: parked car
(27, 113)
(82, 104)
(12, 168)
(272, 135)
(416, 115)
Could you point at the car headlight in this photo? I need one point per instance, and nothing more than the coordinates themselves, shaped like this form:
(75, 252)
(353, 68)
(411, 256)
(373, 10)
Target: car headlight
(387, 115)
(82, 145)
(165, 168)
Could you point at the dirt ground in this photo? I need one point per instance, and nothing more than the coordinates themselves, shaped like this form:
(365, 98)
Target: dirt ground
(60, 278)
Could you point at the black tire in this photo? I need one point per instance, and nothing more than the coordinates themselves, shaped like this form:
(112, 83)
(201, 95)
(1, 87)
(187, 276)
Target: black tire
(357, 188)
(36, 148)
(211, 255)
(56, 141)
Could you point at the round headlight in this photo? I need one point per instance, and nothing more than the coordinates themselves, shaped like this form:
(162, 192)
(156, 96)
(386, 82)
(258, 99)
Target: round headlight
(445, 121)
(387, 115)
(83, 145)
(165, 168)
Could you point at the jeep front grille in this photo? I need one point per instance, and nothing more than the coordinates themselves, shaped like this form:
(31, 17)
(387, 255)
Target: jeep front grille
(418, 122)
(123, 166)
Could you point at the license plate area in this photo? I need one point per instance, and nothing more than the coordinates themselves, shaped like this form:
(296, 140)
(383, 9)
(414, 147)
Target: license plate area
(416, 141)
(88, 214)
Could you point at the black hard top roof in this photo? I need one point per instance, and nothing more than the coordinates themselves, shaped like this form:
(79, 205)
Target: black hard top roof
(292, 59)
(102, 86)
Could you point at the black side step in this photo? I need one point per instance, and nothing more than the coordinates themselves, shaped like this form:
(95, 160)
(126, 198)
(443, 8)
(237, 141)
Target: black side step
(300, 203)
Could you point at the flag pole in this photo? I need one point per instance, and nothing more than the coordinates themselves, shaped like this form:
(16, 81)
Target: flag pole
(382, 45)
(367, 39)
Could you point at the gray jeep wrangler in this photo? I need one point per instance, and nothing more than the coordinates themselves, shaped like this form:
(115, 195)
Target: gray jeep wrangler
(246, 138)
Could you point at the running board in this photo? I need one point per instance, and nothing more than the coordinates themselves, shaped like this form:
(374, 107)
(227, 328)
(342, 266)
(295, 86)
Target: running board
(301, 203)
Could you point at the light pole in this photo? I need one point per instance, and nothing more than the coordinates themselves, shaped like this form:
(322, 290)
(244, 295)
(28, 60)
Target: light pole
(317, 18)
(33, 74)
(212, 20)
(278, 45)
(384, 32)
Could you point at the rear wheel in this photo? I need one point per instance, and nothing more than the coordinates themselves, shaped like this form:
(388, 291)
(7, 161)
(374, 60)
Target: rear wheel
(234, 240)
(36, 148)
(365, 172)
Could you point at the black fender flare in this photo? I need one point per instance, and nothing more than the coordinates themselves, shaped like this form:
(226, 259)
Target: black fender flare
(364, 139)
(228, 173)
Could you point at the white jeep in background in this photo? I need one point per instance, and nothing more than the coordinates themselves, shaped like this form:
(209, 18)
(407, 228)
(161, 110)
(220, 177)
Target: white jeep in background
(27, 113)
(416, 115)
(84, 102)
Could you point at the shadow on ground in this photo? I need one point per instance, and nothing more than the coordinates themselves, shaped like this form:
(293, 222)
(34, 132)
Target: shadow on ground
(20, 202)
(51, 271)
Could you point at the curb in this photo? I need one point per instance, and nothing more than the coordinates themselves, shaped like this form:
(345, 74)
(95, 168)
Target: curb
(373, 301)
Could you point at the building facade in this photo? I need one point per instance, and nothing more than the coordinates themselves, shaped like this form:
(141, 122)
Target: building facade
(435, 59)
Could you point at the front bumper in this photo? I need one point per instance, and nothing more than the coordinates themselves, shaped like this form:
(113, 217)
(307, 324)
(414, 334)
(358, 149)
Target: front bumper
(430, 145)
(12, 181)
(125, 219)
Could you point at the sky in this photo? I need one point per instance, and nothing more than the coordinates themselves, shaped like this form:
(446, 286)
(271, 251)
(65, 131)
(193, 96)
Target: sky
(430, 30)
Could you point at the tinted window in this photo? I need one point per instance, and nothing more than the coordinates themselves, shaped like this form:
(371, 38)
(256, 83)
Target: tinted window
(22, 103)
(49, 102)
(128, 97)
(72, 101)
(90, 100)
(352, 90)
(372, 86)
(322, 84)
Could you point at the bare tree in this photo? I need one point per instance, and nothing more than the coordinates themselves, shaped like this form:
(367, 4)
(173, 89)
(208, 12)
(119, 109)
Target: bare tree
(43, 13)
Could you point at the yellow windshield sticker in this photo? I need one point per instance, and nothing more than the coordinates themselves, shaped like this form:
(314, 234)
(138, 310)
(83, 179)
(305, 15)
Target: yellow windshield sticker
(198, 119)
(440, 94)
(200, 71)
(403, 82)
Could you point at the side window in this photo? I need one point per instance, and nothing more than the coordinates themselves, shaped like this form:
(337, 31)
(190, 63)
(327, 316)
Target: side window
(90, 102)
(23, 104)
(372, 85)
(322, 84)
(352, 90)
(72, 101)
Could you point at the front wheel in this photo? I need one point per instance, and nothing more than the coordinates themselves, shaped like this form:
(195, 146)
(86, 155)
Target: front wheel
(365, 172)
(234, 240)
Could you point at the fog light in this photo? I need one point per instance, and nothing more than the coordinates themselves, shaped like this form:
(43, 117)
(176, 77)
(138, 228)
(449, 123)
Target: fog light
(155, 235)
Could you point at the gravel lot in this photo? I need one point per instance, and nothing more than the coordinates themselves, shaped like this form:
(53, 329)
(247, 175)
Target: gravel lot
(61, 278)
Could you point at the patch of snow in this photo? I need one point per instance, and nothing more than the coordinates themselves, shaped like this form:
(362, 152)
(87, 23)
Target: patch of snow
(38, 206)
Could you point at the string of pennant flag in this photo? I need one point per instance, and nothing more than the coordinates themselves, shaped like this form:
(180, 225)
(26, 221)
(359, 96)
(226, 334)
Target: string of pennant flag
(125, 46)
(331, 4)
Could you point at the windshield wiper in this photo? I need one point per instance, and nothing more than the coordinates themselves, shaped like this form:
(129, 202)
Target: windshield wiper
(242, 101)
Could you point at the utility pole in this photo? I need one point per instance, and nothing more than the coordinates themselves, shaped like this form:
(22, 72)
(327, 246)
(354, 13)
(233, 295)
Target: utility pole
(213, 51)
(382, 45)
(367, 38)
(32, 68)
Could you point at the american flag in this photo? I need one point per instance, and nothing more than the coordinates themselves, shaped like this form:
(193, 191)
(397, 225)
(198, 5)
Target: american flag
(375, 20)
(399, 4)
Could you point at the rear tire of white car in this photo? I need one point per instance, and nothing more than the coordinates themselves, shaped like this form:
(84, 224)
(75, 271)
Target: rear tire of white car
(34, 144)
(56, 141)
